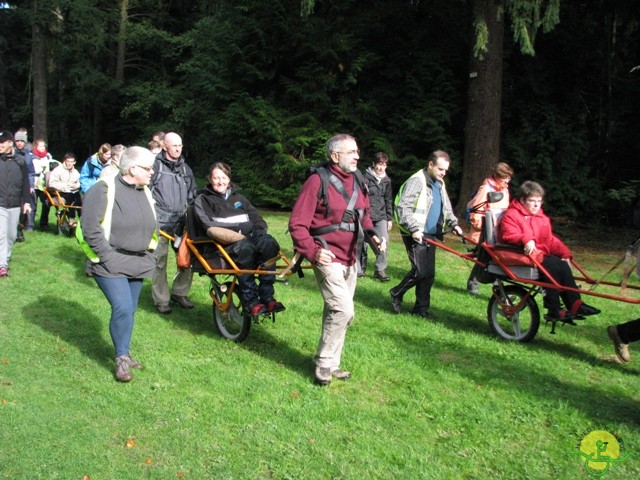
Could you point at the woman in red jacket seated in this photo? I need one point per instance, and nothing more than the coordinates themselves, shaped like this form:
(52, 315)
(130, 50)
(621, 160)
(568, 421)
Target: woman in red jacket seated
(525, 224)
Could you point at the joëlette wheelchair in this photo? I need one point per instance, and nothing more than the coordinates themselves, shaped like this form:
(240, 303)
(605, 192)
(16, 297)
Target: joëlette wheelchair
(211, 258)
(513, 312)
(58, 202)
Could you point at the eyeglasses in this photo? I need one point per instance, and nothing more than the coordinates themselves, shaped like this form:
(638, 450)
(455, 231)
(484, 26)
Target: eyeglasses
(351, 152)
(148, 169)
(533, 201)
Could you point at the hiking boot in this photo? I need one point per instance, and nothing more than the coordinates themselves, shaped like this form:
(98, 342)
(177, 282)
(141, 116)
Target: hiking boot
(164, 309)
(340, 374)
(622, 349)
(122, 369)
(274, 306)
(381, 276)
(133, 363)
(396, 302)
(4, 272)
(20, 236)
(183, 301)
(323, 376)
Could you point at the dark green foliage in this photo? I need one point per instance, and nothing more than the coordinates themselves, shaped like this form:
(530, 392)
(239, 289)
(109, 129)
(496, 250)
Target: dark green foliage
(262, 86)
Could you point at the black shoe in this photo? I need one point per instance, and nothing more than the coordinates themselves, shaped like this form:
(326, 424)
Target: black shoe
(563, 315)
(183, 301)
(360, 274)
(585, 310)
(20, 236)
(274, 306)
(382, 276)
(44, 228)
(396, 302)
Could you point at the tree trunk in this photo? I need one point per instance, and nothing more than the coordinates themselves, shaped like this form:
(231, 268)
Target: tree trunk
(39, 58)
(484, 107)
(122, 40)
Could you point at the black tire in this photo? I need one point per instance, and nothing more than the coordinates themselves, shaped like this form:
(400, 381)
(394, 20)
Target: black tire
(63, 227)
(231, 324)
(519, 326)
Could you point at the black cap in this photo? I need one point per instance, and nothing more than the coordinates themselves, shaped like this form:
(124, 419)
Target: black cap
(6, 136)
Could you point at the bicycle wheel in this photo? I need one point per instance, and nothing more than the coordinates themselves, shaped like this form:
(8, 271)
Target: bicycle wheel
(514, 314)
(229, 320)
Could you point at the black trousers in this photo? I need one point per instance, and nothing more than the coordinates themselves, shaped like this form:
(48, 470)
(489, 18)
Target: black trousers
(630, 331)
(422, 257)
(561, 272)
(248, 255)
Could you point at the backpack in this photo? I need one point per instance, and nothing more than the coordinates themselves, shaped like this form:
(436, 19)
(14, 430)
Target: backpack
(325, 174)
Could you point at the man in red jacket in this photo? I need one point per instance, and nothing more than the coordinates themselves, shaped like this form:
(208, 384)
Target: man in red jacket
(328, 234)
(526, 225)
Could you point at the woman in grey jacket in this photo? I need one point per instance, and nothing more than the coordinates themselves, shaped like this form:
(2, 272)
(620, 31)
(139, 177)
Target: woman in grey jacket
(120, 238)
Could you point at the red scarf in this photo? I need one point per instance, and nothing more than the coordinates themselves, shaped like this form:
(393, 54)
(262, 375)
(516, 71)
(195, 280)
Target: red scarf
(40, 153)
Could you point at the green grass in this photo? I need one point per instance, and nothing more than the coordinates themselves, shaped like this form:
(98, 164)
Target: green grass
(441, 399)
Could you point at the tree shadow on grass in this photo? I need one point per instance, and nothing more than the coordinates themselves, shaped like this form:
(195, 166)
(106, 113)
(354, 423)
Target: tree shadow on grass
(263, 343)
(74, 323)
(510, 374)
(199, 321)
(72, 255)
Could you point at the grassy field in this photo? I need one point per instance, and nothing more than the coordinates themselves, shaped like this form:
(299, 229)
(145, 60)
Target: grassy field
(428, 399)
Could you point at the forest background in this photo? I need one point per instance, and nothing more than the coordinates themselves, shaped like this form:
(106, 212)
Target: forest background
(263, 84)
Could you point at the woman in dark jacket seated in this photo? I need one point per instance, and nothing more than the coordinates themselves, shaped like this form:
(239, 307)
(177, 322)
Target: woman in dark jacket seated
(230, 219)
(526, 225)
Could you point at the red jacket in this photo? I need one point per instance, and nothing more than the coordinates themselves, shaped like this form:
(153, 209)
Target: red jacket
(308, 214)
(517, 227)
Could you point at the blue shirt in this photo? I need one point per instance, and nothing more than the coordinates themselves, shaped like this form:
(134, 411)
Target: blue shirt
(435, 212)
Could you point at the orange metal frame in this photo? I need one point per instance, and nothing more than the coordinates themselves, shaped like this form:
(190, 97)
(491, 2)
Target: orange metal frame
(493, 252)
(284, 267)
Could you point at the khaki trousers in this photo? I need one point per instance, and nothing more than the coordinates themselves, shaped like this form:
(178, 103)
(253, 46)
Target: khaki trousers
(337, 284)
(160, 285)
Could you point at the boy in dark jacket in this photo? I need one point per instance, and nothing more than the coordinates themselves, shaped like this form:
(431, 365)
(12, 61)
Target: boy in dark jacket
(381, 202)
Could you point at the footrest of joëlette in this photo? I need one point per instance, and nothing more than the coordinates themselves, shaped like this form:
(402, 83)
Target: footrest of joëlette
(563, 321)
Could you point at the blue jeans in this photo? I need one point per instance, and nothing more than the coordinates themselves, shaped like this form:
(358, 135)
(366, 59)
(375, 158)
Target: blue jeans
(123, 294)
